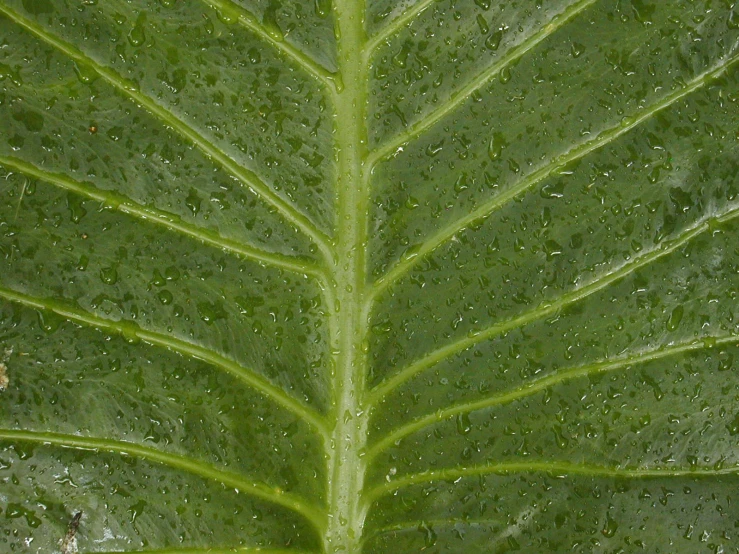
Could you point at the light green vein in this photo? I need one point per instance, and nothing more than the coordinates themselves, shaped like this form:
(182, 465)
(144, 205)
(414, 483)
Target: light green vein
(480, 80)
(130, 89)
(403, 266)
(129, 329)
(275, 495)
(557, 468)
(396, 25)
(215, 550)
(538, 385)
(545, 309)
(232, 10)
(302, 266)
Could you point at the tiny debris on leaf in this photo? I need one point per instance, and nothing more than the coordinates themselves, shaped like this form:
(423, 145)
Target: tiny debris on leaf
(69, 544)
(4, 380)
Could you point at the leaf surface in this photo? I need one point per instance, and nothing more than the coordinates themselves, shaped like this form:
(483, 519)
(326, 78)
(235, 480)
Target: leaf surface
(445, 276)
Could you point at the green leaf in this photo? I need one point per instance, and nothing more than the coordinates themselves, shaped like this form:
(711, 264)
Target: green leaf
(415, 275)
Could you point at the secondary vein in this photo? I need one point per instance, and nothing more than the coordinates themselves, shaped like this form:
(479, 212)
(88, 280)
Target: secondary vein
(130, 89)
(548, 308)
(248, 377)
(250, 22)
(563, 468)
(538, 385)
(122, 203)
(190, 465)
(396, 25)
(402, 267)
(481, 79)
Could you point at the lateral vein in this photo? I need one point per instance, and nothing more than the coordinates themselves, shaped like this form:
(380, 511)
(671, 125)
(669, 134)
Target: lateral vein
(480, 80)
(396, 25)
(124, 204)
(538, 385)
(247, 376)
(545, 309)
(130, 89)
(249, 21)
(402, 267)
(565, 468)
(176, 461)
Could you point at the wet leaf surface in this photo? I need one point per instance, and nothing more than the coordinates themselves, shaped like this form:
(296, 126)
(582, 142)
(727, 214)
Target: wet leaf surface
(320, 276)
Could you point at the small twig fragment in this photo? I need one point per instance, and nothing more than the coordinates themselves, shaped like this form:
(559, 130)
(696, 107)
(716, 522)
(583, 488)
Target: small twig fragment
(4, 379)
(69, 544)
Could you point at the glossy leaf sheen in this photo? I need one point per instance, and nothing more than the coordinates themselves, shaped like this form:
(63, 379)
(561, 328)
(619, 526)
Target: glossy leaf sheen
(415, 275)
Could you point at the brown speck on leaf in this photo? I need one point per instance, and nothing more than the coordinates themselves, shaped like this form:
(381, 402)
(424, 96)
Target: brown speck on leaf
(4, 379)
(69, 544)
(93, 129)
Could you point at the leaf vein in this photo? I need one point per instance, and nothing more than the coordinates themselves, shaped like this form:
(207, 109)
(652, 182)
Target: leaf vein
(189, 350)
(131, 90)
(402, 267)
(247, 20)
(551, 307)
(122, 203)
(396, 25)
(480, 80)
(175, 461)
(586, 470)
(538, 385)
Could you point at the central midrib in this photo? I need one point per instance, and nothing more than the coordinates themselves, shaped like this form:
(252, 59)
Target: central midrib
(346, 469)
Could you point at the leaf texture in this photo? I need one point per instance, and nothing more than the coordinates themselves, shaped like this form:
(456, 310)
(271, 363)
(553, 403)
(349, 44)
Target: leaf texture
(395, 276)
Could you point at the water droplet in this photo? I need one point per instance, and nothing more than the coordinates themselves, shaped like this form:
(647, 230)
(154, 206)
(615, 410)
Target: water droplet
(493, 41)
(38, 7)
(137, 35)
(726, 361)
(410, 253)
(211, 311)
(85, 73)
(269, 20)
(322, 8)
(254, 55)
(32, 120)
(50, 322)
(577, 49)
(115, 133)
(411, 203)
(109, 275)
(247, 304)
(461, 184)
(609, 527)
(733, 427)
(482, 24)
(496, 145)
(193, 201)
(429, 535)
(673, 322)
(165, 297)
(559, 438)
(553, 190)
(464, 425)
(76, 207)
(733, 21)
